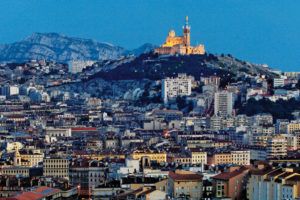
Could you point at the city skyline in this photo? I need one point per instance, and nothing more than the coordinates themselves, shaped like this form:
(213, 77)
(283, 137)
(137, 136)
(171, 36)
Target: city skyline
(247, 30)
(149, 100)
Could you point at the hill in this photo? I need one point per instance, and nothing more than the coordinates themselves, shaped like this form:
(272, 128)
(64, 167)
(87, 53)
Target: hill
(155, 67)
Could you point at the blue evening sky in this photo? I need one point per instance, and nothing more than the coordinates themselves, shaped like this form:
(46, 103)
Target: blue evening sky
(253, 30)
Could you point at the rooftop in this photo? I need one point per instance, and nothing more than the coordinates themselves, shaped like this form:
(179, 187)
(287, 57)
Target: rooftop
(184, 176)
(36, 194)
(229, 175)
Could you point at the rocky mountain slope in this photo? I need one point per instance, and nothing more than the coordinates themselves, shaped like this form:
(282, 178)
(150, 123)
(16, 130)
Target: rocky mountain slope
(62, 48)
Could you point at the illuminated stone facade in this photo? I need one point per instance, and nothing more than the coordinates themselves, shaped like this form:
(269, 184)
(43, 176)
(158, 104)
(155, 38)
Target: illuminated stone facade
(180, 44)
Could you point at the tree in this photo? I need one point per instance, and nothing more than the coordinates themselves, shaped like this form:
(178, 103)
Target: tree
(181, 102)
(190, 106)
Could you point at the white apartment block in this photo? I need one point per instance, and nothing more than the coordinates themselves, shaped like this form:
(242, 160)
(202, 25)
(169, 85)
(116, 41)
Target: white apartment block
(174, 87)
(223, 103)
(58, 132)
(78, 65)
(278, 82)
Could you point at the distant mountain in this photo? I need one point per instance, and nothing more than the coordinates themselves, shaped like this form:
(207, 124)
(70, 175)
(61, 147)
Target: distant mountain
(62, 48)
(145, 48)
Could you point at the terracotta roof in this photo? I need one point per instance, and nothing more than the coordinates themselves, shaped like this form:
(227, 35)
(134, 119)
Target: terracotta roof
(192, 176)
(260, 171)
(27, 196)
(229, 175)
(36, 194)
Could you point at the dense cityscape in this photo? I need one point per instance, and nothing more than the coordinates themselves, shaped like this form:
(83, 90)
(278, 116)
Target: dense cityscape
(173, 122)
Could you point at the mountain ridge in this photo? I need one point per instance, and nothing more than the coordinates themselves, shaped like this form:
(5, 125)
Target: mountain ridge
(62, 48)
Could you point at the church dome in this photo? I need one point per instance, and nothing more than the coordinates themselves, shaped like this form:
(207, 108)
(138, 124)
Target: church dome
(171, 33)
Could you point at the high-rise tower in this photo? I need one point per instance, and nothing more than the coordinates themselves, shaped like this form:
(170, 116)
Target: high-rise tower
(186, 32)
(223, 103)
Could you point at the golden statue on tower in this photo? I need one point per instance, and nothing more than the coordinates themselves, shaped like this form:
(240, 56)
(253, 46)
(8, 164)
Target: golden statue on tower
(180, 44)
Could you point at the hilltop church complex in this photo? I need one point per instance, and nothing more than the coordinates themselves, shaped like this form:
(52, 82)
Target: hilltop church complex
(180, 44)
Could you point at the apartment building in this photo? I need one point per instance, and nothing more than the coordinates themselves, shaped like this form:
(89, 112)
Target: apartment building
(292, 127)
(230, 183)
(185, 184)
(221, 158)
(240, 157)
(211, 80)
(16, 171)
(159, 156)
(198, 156)
(270, 184)
(58, 132)
(276, 147)
(223, 103)
(174, 87)
(56, 167)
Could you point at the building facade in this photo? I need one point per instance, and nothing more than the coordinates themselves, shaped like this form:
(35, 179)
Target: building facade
(185, 184)
(56, 167)
(223, 103)
(174, 87)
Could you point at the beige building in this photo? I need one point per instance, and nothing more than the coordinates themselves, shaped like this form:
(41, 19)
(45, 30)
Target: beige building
(185, 184)
(292, 141)
(34, 157)
(259, 140)
(221, 158)
(276, 147)
(198, 157)
(16, 170)
(292, 127)
(28, 158)
(56, 167)
(269, 184)
(230, 183)
(159, 156)
(240, 157)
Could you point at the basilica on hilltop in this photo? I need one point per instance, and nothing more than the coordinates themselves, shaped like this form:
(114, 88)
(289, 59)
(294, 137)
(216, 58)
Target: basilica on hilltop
(180, 44)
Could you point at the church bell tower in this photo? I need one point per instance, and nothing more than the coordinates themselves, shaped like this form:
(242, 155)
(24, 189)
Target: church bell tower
(186, 32)
(17, 157)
